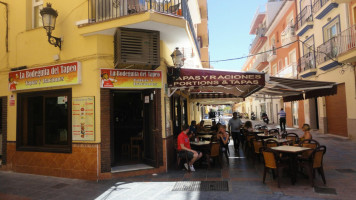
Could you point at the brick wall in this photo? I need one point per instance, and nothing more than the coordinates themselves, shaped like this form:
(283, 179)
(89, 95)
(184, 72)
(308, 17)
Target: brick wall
(105, 130)
(4, 128)
(81, 163)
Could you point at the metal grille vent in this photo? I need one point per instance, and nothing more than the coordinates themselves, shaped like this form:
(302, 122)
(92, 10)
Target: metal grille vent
(137, 47)
(201, 186)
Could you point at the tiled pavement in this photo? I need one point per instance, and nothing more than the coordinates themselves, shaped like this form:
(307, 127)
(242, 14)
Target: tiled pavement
(244, 178)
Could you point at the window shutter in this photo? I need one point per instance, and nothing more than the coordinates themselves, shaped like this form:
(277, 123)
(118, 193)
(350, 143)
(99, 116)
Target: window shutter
(137, 47)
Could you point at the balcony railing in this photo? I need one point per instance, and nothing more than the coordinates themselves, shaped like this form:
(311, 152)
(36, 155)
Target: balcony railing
(307, 62)
(103, 10)
(289, 71)
(328, 50)
(259, 34)
(347, 40)
(288, 35)
(318, 4)
(304, 16)
(261, 58)
(337, 45)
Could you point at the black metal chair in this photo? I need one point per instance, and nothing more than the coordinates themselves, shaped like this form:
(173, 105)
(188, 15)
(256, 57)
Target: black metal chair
(315, 161)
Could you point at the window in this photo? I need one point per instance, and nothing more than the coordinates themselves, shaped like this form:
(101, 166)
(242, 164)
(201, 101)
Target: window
(36, 16)
(331, 29)
(274, 69)
(44, 121)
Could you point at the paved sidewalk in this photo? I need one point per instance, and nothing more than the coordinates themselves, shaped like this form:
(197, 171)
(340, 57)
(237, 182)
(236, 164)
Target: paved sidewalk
(243, 175)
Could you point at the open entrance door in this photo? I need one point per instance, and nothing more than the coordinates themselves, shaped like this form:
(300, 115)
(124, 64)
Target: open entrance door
(127, 110)
(152, 136)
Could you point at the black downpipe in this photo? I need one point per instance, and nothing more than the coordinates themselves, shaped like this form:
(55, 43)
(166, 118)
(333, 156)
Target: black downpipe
(7, 26)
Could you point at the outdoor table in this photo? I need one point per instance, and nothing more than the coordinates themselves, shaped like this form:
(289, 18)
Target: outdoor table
(279, 141)
(292, 152)
(205, 137)
(257, 131)
(205, 132)
(266, 136)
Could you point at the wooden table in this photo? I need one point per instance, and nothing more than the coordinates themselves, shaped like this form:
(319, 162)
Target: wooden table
(292, 152)
(279, 141)
(205, 132)
(205, 137)
(266, 136)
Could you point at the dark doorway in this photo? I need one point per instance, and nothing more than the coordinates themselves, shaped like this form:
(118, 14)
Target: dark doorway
(1, 135)
(127, 135)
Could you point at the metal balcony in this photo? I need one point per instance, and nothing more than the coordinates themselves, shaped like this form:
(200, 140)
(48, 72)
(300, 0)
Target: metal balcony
(323, 7)
(289, 71)
(105, 10)
(304, 21)
(307, 62)
(272, 54)
(259, 40)
(288, 36)
(260, 62)
(338, 45)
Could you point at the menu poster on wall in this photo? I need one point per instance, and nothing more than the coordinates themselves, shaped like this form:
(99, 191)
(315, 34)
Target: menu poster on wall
(83, 119)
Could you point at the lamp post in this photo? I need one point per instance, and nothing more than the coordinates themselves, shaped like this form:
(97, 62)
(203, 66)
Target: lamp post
(49, 16)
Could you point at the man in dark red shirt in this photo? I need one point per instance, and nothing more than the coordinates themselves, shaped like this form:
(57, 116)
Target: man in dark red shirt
(184, 148)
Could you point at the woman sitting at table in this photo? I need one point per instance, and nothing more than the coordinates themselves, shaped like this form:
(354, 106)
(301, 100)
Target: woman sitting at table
(223, 137)
(248, 126)
(307, 135)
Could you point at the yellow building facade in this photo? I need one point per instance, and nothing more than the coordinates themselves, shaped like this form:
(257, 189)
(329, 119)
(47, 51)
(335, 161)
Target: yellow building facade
(326, 33)
(45, 126)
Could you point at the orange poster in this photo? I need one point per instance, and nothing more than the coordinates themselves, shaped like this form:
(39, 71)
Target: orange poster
(41, 77)
(83, 119)
(126, 78)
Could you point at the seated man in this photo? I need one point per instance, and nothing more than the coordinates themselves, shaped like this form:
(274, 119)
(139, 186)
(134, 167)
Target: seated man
(184, 147)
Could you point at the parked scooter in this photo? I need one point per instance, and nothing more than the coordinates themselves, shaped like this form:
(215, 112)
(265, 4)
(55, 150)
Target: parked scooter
(246, 115)
(265, 118)
(253, 116)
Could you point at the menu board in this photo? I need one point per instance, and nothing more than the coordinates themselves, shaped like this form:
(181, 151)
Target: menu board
(83, 119)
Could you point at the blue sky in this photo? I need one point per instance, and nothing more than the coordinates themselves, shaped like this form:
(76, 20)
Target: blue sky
(229, 26)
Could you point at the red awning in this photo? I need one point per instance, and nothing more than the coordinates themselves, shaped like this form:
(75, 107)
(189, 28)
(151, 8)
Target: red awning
(207, 83)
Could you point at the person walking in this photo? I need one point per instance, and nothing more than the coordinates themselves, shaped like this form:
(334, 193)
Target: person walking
(282, 120)
(234, 127)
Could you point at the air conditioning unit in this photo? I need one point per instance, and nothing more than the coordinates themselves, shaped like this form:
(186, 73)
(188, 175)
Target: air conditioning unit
(136, 47)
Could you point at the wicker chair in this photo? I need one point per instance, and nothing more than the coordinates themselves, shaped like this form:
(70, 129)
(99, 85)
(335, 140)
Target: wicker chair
(315, 161)
(293, 137)
(273, 131)
(271, 161)
(248, 145)
(270, 143)
(214, 153)
(256, 144)
(310, 143)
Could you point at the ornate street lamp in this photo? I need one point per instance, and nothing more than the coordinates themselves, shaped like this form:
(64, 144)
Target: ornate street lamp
(49, 16)
(178, 58)
(178, 61)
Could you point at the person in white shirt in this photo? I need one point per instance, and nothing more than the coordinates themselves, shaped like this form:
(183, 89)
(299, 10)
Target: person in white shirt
(282, 120)
(234, 127)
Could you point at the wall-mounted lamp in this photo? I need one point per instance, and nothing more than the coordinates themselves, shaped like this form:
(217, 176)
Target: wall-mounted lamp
(178, 61)
(49, 16)
(178, 58)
